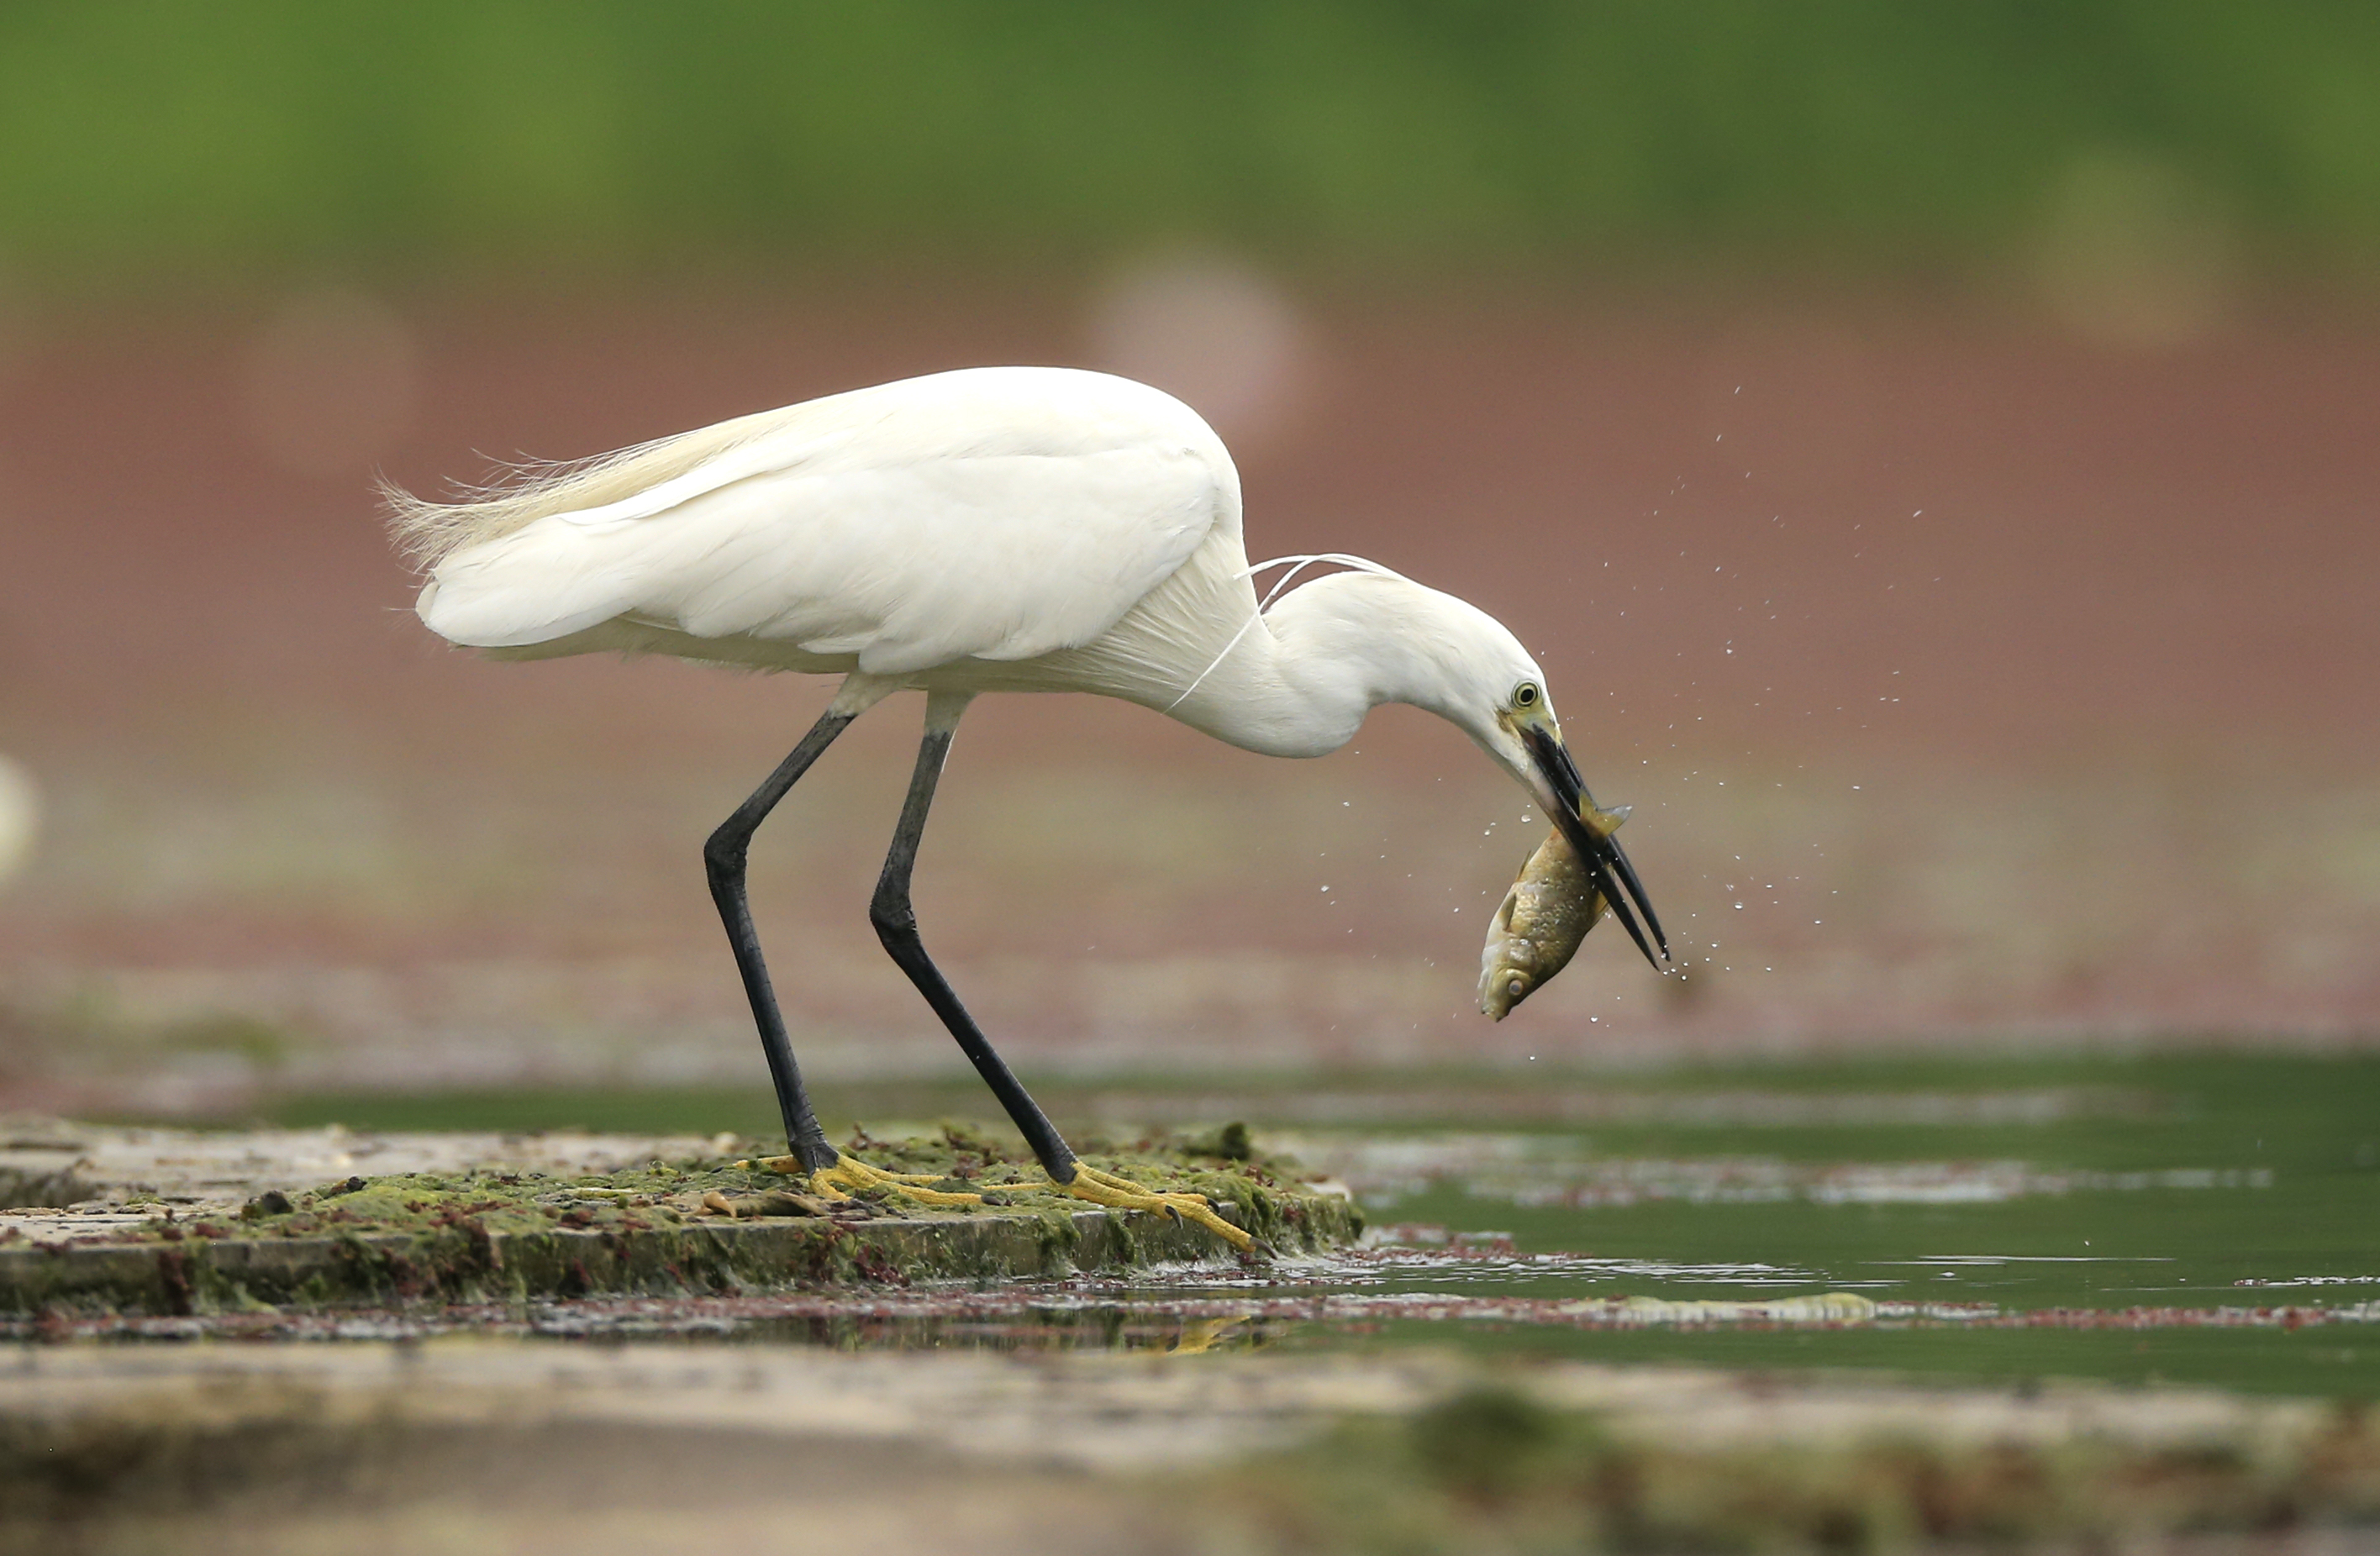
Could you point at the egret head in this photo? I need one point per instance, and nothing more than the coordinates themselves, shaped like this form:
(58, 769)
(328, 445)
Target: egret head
(1525, 739)
(1494, 692)
(1363, 638)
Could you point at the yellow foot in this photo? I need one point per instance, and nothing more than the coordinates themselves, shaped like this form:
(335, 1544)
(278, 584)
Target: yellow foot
(849, 1176)
(1123, 1194)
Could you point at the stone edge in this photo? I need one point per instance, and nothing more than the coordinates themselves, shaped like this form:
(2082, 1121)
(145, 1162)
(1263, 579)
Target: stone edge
(467, 1264)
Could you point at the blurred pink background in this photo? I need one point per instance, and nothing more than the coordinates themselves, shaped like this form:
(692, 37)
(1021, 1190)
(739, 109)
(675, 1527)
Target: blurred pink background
(1976, 674)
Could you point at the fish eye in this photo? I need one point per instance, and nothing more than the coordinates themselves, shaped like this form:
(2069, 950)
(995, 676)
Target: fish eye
(1517, 987)
(1526, 695)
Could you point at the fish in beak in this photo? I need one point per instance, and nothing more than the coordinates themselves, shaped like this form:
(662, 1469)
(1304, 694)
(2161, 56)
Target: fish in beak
(1569, 805)
(1540, 924)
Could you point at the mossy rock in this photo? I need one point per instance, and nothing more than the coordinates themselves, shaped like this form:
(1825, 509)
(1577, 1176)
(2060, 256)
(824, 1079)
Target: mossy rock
(707, 1227)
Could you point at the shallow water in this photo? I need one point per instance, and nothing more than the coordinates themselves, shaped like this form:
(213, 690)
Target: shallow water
(2195, 1218)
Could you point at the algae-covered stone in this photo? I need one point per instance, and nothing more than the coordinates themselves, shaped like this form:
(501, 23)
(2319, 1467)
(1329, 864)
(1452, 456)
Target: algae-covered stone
(696, 1225)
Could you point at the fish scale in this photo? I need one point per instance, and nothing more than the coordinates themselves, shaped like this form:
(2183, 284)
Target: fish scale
(1543, 920)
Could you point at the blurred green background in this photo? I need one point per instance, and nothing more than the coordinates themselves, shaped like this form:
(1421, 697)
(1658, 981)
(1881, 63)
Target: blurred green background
(166, 143)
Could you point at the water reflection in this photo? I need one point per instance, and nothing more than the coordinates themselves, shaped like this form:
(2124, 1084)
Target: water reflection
(2193, 1218)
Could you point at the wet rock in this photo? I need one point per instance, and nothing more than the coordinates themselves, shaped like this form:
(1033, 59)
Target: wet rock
(689, 1227)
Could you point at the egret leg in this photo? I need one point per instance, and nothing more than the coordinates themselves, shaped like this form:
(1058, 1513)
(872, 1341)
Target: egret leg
(723, 859)
(896, 926)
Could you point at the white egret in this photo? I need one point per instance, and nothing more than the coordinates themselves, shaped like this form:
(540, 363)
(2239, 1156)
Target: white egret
(997, 529)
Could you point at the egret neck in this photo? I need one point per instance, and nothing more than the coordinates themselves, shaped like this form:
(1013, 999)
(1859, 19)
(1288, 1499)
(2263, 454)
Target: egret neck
(1332, 650)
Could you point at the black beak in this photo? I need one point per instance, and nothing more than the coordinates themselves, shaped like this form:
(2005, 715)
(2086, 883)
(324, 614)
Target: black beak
(1606, 862)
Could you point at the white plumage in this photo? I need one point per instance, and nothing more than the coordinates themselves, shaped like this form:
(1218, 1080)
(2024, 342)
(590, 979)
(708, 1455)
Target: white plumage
(989, 529)
(996, 529)
(865, 527)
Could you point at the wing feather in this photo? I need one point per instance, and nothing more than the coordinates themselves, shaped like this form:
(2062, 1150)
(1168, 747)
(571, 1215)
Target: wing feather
(993, 513)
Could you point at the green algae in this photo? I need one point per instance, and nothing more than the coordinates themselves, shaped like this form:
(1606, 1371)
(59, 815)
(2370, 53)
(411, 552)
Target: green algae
(706, 1226)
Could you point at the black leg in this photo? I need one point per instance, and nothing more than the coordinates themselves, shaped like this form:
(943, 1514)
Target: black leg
(896, 925)
(722, 857)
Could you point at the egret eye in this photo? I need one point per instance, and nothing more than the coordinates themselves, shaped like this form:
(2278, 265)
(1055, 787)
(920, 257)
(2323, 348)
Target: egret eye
(1526, 695)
